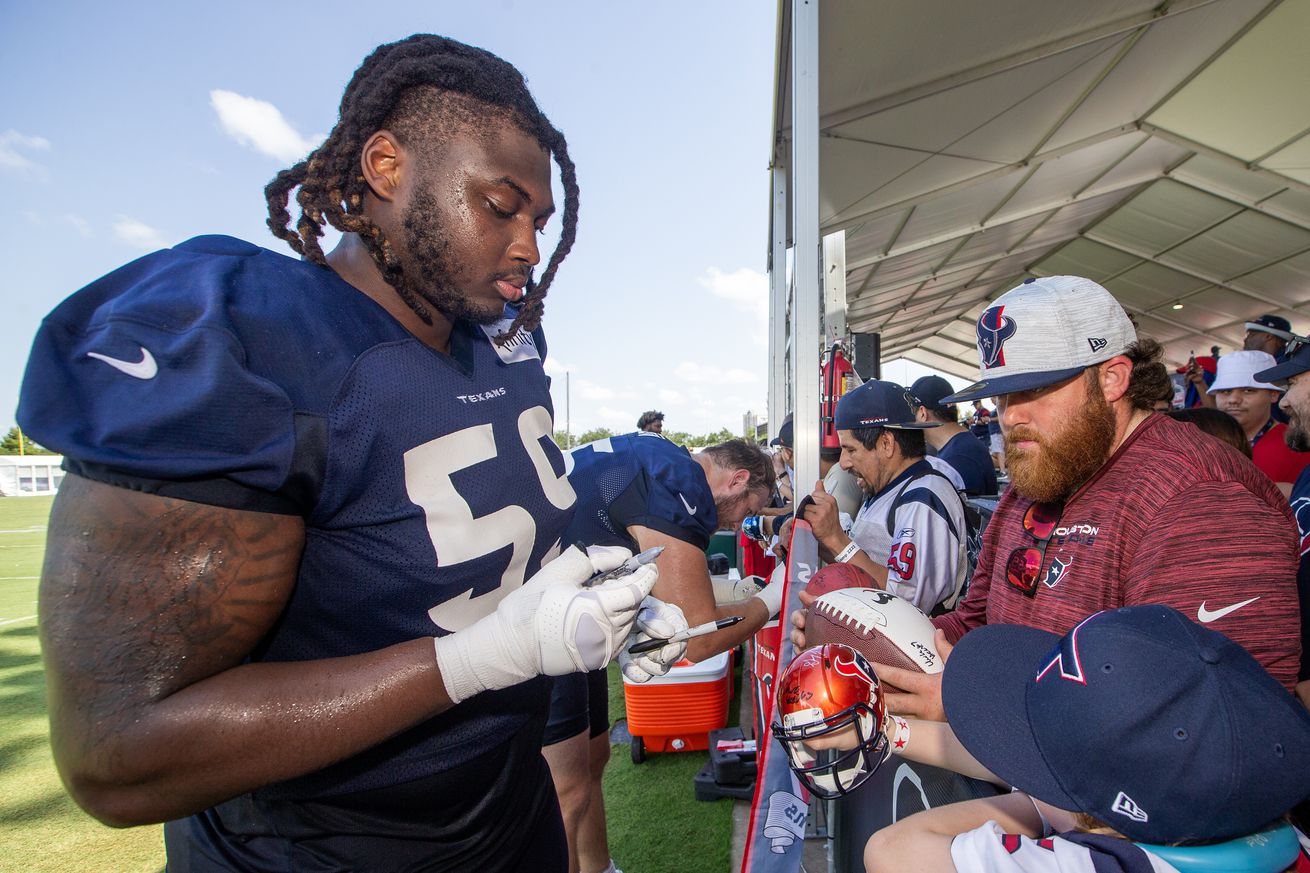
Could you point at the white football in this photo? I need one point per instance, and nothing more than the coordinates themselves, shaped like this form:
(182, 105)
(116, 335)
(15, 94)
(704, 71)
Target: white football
(881, 626)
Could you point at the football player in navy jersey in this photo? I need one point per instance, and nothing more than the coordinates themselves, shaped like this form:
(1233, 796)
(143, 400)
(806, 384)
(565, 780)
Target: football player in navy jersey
(303, 586)
(640, 490)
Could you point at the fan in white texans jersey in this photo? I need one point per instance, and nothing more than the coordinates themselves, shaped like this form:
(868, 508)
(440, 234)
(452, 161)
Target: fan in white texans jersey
(910, 534)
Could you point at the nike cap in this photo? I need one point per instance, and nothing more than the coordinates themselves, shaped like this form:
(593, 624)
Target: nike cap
(1164, 729)
(1045, 331)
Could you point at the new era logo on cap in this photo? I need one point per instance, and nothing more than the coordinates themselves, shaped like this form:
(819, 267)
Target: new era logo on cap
(1125, 805)
(1045, 331)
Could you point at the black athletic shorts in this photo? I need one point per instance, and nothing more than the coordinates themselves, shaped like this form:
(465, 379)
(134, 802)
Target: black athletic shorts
(495, 814)
(578, 702)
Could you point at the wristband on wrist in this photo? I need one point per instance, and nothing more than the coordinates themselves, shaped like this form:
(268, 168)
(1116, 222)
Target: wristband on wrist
(847, 553)
(900, 737)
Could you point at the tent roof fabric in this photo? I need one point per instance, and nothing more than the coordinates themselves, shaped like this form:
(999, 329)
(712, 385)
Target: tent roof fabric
(1161, 149)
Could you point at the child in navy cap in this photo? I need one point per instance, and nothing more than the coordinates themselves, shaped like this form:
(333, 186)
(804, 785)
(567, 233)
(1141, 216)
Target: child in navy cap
(1136, 725)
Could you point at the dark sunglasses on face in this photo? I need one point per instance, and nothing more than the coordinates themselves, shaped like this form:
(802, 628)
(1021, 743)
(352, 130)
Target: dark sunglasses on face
(1024, 567)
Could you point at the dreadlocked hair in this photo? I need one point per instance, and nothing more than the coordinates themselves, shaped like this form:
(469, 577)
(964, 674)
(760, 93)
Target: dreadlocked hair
(423, 88)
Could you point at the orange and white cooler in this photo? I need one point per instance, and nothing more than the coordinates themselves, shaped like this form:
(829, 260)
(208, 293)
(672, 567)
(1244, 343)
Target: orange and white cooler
(676, 712)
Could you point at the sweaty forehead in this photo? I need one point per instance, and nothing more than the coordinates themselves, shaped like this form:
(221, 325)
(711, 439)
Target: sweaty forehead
(499, 156)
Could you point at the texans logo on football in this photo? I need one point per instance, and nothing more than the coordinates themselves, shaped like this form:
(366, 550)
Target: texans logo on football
(994, 328)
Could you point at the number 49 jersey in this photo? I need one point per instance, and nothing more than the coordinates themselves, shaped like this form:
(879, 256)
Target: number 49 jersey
(430, 486)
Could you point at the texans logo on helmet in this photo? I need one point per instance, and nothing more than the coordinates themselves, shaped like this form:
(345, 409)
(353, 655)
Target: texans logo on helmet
(994, 328)
(851, 668)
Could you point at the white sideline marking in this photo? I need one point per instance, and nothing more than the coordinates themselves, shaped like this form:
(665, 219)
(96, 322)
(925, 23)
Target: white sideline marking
(23, 530)
(16, 620)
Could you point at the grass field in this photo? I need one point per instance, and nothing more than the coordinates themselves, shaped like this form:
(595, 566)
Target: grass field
(656, 825)
(41, 830)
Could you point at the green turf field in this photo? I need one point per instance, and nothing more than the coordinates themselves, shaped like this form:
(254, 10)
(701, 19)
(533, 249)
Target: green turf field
(40, 828)
(656, 825)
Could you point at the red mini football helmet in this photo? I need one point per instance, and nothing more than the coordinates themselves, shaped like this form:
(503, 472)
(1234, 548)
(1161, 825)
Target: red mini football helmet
(823, 692)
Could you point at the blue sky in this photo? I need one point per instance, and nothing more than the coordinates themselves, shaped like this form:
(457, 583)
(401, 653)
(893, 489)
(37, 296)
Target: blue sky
(131, 126)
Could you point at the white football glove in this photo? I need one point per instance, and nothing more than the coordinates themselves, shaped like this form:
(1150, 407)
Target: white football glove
(748, 587)
(551, 625)
(655, 619)
(771, 596)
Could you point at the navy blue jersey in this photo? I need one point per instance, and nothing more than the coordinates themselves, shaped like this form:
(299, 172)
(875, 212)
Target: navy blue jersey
(639, 479)
(972, 461)
(223, 373)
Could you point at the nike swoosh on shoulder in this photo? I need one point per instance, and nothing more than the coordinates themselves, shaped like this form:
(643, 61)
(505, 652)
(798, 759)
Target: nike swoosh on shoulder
(146, 368)
(691, 509)
(1205, 616)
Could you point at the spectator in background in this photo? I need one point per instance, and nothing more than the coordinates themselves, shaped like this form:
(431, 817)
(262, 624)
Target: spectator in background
(651, 421)
(996, 444)
(1295, 372)
(1110, 505)
(953, 443)
(840, 483)
(1268, 333)
(1216, 423)
(1247, 399)
(978, 419)
(784, 469)
(1164, 401)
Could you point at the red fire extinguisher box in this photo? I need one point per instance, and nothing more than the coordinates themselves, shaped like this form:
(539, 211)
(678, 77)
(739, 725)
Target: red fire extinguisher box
(675, 712)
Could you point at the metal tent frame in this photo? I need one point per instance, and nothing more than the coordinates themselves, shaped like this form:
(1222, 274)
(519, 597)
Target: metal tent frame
(1161, 149)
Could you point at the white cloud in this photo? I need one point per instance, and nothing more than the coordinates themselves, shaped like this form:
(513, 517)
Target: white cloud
(708, 375)
(77, 222)
(588, 390)
(744, 287)
(138, 234)
(260, 125)
(12, 146)
(617, 420)
(667, 395)
(555, 368)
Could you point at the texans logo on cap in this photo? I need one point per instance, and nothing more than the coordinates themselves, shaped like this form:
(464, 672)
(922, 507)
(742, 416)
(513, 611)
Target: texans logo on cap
(994, 328)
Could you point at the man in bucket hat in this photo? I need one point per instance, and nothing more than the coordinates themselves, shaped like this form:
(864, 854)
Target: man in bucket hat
(1103, 507)
(1248, 399)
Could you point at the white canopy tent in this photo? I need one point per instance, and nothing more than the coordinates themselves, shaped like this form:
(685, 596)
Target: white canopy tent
(1162, 149)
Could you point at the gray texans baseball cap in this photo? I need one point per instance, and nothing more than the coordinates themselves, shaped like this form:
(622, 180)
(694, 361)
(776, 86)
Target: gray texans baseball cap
(1045, 331)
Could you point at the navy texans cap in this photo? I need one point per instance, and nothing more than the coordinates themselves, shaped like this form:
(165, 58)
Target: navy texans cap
(1296, 362)
(878, 404)
(930, 390)
(784, 436)
(1043, 332)
(1161, 728)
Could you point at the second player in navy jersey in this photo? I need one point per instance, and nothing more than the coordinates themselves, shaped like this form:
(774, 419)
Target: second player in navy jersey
(305, 575)
(640, 490)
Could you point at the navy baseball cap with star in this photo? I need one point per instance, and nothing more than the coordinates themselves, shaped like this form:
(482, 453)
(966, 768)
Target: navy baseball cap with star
(1043, 332)
(1162, 728)
(878, 404)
